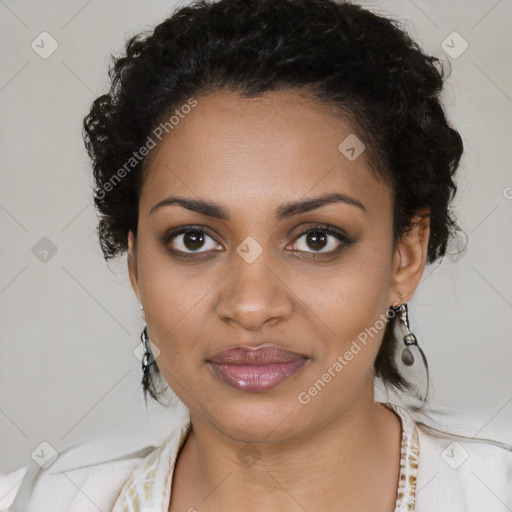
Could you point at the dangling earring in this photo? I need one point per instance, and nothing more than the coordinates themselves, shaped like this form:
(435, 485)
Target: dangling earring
(411, 352)
(409, 338)
(147, 359)
(144, 338)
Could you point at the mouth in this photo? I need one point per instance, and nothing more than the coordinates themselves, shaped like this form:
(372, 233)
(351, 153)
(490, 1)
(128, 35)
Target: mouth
(256, 370)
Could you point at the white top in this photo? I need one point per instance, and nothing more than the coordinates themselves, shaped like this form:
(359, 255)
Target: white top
(438, 472)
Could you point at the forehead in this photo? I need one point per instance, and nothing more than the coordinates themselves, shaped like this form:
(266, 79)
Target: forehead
(257, 151)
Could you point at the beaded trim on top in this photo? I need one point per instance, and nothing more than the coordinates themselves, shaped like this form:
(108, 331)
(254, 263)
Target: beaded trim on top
(409, 458)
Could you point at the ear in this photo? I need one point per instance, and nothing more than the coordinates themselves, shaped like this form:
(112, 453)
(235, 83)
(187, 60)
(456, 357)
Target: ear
(132, 264)
(409, 259)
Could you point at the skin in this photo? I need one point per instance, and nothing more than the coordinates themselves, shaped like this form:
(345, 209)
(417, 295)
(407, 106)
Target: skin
(341, 450)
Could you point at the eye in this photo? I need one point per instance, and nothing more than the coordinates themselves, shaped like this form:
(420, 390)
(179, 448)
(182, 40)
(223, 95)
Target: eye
(190, 240)
(322, 240)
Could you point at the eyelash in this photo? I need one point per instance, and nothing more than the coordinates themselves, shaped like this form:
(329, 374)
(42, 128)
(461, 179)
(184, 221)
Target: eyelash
(322, 228)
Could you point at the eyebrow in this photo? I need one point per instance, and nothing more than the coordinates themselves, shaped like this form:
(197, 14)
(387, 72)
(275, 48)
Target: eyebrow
(283, 212)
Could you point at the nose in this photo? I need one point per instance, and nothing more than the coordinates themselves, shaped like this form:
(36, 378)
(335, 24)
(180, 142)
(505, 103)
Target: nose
(254, 295)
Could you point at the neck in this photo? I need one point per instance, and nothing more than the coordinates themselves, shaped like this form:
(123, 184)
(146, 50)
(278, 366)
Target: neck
(350, 462)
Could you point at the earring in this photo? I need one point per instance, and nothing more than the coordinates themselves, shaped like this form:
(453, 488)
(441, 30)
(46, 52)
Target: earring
(409, 338)
(147, 358)
(417, 376)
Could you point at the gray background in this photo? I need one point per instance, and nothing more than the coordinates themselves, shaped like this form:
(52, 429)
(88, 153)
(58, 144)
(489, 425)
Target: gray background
(70, 324)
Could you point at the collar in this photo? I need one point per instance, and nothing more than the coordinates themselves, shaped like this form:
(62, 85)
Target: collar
(149, 486)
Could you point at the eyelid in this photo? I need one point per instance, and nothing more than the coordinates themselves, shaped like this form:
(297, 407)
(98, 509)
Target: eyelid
(332, 230)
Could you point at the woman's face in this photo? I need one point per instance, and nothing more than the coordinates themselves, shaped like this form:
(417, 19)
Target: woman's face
(253, 275)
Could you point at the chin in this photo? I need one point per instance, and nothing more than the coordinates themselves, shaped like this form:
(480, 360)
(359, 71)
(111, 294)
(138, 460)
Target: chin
(257, 417)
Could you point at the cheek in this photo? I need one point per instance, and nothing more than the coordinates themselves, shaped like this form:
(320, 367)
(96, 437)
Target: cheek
(174, 302)
(349, 303)
(350, 294)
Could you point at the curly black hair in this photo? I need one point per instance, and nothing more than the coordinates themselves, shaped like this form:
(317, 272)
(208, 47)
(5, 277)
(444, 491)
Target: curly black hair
(358, 64)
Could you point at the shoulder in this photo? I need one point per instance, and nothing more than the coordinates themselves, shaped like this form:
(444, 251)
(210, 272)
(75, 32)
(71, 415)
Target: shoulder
(462, 473)
(84, 478)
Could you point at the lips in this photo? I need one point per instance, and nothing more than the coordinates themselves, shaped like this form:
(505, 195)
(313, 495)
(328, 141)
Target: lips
(256, 369)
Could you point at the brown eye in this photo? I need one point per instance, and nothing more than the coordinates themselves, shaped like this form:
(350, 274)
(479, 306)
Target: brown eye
(320, 240)
(193, 240)
(317, 240)
(188, 240)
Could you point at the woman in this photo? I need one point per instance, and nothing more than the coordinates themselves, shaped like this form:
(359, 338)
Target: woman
(279, 173)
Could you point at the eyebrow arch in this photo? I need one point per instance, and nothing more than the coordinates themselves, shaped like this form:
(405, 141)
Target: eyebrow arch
(283, 212)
